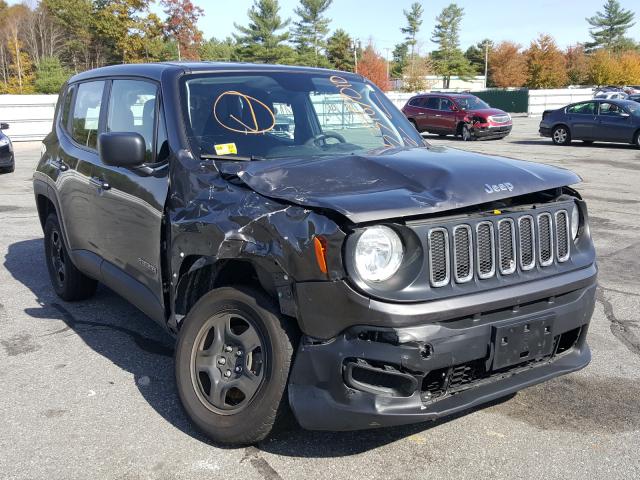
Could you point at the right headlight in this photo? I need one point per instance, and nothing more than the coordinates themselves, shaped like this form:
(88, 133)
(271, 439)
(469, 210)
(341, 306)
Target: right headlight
(575, 221)
(378, 254)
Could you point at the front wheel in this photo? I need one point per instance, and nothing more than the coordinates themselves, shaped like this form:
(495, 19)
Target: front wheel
(637, 142)
(466, 133)
(561, 135)
(232, 365)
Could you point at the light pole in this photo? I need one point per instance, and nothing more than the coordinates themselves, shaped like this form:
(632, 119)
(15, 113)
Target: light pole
(486, 62)
(387, 59)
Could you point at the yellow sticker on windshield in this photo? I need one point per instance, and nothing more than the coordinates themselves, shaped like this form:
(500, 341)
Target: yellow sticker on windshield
(226, 149)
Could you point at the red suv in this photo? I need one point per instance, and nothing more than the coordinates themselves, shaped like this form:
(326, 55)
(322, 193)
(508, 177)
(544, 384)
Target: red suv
(457, 114)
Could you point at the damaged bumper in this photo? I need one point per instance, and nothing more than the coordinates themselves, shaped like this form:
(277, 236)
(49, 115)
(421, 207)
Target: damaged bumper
(487, 131)
(375, 376)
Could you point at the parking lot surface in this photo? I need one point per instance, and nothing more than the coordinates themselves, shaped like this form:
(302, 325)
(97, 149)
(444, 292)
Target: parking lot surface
(87, 388)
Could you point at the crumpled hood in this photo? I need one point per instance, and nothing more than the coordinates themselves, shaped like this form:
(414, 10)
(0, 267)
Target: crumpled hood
(400, 182)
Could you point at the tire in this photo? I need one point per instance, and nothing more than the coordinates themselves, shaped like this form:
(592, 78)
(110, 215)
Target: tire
(561, 135)
(69, 283)
(466, 133)
(220, 411)
(637, 139)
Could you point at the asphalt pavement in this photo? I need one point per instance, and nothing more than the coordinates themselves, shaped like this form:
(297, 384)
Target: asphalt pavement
(86, 389)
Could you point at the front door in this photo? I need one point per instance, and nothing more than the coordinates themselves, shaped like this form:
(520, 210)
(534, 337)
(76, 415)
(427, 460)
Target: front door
(129, 202)
(614, 123)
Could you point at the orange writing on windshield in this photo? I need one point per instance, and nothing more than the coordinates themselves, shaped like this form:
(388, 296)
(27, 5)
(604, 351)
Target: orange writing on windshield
(253, 118)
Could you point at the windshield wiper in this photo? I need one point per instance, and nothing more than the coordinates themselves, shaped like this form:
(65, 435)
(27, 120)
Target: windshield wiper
(235, 158)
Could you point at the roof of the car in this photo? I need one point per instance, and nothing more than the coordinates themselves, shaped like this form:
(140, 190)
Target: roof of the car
(155, 70)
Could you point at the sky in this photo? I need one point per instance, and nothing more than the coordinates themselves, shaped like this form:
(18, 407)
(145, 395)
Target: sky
(519, 21)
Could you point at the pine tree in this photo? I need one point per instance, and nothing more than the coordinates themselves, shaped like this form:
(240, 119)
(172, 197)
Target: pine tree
(50, 75)
(608, 28)
(340, 51)
(400, 56)
(260, 41)
(310, 32)
(449, 59)
(414, 22)
(476, 54)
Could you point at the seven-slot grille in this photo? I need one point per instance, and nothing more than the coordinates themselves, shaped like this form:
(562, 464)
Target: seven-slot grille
(499, 118)
(498, 245)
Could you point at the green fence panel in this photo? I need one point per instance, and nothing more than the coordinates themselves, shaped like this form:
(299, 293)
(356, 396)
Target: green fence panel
(514, 101)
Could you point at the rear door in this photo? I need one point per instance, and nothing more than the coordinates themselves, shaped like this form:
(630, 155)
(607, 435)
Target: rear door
(447, 118)
(614, 123)
(430, 114)
(129, 202)
(582, 119)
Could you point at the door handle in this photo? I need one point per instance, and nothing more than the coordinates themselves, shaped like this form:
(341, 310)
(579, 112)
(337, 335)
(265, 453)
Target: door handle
(438, 115)
(99, 183)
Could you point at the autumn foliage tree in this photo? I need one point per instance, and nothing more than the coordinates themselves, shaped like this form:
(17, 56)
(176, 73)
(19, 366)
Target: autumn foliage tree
(374, 67)
(182, 25)
(577, 64)
(507, 65)
(545, 64)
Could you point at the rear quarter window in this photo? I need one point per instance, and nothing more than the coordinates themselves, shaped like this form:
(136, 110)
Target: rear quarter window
(66, 107)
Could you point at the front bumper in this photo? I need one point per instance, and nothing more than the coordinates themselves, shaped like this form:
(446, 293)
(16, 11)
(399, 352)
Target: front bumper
(487, 131)
(6, 157)
(370, 376)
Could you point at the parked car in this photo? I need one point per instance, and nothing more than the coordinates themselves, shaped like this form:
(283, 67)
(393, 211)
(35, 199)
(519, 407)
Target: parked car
(635, 97)
(7, 157)
(610, 96)
(595, 120)
(349, 273)
(463, 115)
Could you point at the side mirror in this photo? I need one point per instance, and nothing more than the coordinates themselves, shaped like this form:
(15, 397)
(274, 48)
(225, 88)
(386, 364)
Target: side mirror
(122, 149)
(4, 126)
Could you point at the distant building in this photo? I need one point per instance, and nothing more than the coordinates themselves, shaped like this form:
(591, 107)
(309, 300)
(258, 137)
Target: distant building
(435, 82)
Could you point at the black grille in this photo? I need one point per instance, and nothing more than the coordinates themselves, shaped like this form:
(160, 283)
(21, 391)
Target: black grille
(527, 252)
(545, 246)
(562, 235)
(462, 256)
(438, 256)
(485, 250)
(506, 246)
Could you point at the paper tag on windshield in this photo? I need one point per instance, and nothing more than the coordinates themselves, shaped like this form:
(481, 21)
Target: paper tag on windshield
(226, 149)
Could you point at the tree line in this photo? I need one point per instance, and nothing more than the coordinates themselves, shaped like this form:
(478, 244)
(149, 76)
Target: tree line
(42, 45)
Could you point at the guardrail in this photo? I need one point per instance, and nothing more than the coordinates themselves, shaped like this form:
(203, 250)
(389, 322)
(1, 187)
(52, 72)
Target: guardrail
(29, 116)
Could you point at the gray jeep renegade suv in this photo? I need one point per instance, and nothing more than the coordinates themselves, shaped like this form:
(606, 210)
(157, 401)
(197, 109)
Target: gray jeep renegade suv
(309, 251)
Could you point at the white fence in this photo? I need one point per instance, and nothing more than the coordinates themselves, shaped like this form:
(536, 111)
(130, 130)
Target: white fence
(29, 116)
(541, 100)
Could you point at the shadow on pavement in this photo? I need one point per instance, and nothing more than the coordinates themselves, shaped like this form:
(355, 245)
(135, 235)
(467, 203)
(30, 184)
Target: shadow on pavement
(116, 330)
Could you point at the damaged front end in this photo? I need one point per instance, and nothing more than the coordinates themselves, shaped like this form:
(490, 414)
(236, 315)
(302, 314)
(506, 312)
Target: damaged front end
(372, 377)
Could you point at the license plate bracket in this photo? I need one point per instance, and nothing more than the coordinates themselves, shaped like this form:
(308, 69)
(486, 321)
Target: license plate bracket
(522, 341)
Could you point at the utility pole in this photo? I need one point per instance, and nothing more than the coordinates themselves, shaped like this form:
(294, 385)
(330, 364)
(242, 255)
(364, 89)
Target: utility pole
(355, 55)
(486, 62)
(387, 59)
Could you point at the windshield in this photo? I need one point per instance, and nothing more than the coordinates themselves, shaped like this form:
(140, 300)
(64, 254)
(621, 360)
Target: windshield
(471, 103)
(267, 115)
(633, 107)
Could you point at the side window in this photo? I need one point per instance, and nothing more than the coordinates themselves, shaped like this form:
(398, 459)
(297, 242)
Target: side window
(417, 102)
(86, 113)
(433, 103)
(587, 108)
(445, 104)
(285, 123)
(610, 109)
(132, 108)
(66, 108)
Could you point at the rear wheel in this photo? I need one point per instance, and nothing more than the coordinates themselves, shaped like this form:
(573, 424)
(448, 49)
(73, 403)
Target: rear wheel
(232, 365)
(561, 135)
(68, 282)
